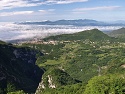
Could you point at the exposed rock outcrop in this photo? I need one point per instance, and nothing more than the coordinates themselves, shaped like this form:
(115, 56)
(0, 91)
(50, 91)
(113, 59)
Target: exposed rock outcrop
(54, 78)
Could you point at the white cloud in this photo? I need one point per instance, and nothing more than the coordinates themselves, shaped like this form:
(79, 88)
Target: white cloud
(51, 10)
(42, 12)
(64, 1)
(47, 11)
(78, 12)
(9, 4)
(96, 8)
(16, 13)
(39, 12)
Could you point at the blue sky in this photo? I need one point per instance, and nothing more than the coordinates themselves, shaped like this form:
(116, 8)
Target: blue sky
(39, 10)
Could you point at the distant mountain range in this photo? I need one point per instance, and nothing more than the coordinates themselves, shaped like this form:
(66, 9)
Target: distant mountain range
(79, 22)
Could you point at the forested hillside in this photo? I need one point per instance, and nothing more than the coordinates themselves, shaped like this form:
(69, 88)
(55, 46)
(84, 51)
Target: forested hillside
(82, 55)
(88, 62)
(120, 33)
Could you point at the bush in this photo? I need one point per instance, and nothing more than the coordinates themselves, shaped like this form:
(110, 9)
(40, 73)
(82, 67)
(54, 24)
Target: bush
(109, 84)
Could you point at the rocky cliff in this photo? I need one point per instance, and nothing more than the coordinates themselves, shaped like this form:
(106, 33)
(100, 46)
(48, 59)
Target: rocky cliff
(18, 70)
(54, 78)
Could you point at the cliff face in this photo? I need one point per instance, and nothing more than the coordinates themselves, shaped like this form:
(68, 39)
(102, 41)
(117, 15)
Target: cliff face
(18, 69)
(54, 78)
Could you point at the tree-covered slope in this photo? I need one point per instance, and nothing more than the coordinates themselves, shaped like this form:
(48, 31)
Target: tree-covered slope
(83, 56)
(71, 63)
(107, 84)
(54, 78)
(17, 69)
(93, 35)
(120, 33)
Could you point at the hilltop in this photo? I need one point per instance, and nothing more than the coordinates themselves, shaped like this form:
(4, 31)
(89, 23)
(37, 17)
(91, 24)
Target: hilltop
(93, 35)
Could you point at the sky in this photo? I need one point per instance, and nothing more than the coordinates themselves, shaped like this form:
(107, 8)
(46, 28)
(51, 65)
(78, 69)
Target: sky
(41, 10)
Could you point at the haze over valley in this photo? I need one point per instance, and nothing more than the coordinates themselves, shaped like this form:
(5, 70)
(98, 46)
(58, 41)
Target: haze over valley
(29, 30)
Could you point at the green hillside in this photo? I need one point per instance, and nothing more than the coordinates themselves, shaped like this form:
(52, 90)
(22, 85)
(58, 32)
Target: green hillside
(93, 35)
(83, 56)
(120, 33)
(87, 62)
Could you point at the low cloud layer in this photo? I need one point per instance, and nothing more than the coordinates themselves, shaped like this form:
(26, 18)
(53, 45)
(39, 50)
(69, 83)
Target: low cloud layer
(10, 31)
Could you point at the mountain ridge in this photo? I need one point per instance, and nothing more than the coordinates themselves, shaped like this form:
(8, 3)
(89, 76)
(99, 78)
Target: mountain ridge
(79, 22)
(93, 35)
